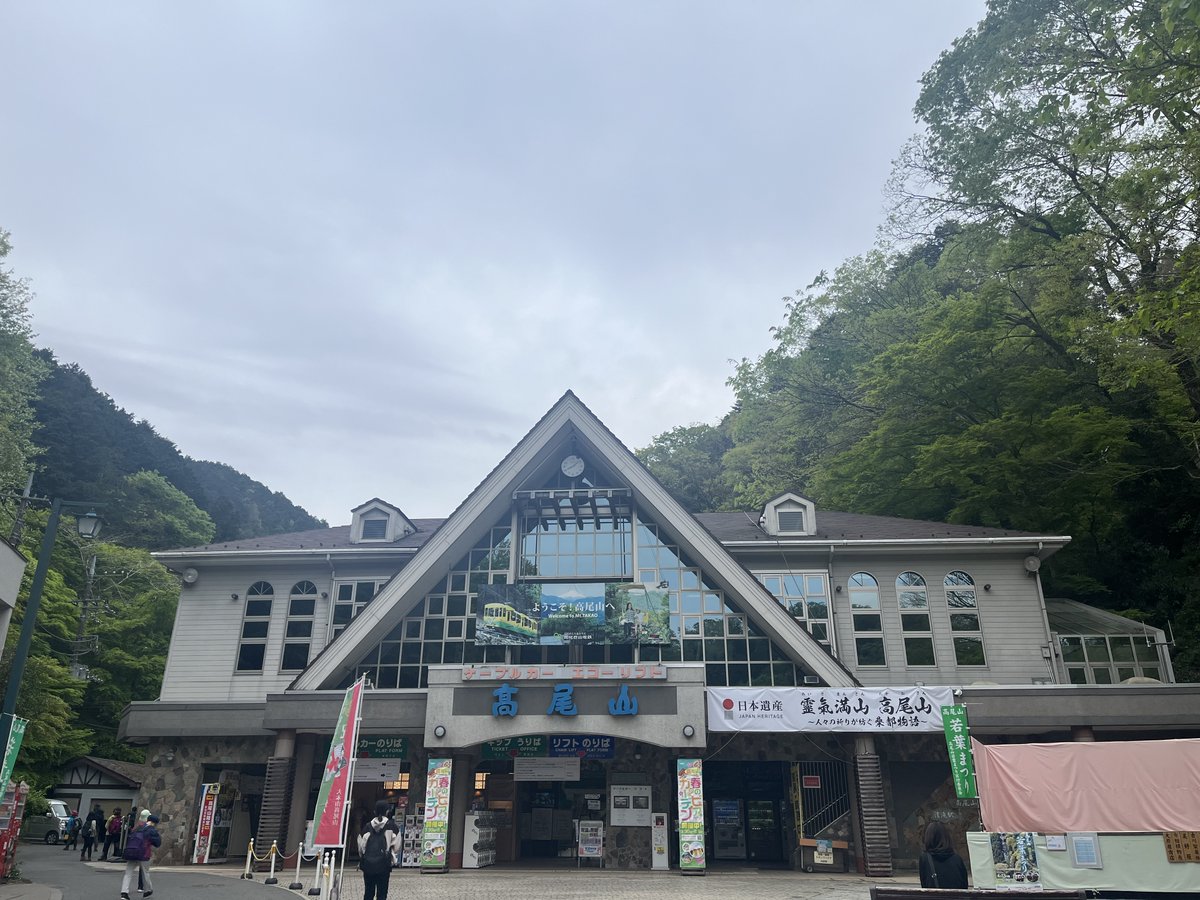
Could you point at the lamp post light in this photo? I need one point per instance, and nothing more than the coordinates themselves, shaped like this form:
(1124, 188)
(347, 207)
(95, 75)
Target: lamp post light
(88, 526)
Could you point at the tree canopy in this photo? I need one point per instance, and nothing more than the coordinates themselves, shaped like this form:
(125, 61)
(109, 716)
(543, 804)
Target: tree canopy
(1024, 353)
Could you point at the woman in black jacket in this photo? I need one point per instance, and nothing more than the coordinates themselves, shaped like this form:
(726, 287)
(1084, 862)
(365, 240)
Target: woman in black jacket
(940, 866)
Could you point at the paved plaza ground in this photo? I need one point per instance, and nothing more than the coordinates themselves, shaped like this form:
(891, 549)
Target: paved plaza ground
(58, 875)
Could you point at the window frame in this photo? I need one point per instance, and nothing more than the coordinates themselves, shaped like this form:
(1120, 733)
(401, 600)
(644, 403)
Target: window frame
(963, 585)
(860, 614)
(255, 596)
(309, 592)
(916, 585)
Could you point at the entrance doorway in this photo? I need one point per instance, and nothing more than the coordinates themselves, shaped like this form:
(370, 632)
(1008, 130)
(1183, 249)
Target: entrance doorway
(746, 812)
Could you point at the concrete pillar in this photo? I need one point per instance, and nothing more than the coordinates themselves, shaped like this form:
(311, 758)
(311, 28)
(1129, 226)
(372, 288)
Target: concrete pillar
(1083, 733)
(462, 788)
(285, 742)
(306, 750)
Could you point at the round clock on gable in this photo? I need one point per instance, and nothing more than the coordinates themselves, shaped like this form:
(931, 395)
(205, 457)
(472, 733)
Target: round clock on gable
(573, 466)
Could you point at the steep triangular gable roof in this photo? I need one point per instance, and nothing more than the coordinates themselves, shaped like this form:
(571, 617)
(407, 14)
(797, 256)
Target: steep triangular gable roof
(569, 424)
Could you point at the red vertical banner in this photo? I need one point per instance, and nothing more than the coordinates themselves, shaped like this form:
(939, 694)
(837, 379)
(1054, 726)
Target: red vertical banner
(330, 813)
(204, 826)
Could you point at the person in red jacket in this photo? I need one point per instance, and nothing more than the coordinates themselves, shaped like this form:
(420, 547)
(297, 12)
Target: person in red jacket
(112, 836)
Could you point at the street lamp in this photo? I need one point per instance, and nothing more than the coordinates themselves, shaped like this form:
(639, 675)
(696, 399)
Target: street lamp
(88, 526)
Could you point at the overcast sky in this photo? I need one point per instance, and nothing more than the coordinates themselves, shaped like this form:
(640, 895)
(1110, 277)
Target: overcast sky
(358, 249)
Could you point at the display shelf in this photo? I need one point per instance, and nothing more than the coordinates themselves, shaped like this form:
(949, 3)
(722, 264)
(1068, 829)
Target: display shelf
(479, 840)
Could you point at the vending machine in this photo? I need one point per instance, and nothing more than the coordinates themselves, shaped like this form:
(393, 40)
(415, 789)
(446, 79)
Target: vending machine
(729, 837)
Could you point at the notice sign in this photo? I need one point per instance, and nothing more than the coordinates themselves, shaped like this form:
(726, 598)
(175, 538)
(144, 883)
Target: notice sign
(958, 743)
(208, 806)
(629, 804)
(876, 710)
(1182, 846)
(435, 832)
(533, 768)
(591, 839)
(690, 792)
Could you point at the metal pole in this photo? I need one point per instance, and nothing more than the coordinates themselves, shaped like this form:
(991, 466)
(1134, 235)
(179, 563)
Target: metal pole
(31, 611)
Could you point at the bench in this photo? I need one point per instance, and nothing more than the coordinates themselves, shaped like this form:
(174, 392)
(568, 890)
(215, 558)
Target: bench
(908, 892)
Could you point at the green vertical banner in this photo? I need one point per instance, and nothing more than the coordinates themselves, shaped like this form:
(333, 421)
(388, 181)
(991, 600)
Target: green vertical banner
(435, 832)
(691, 815)
(13, 729)
(958, 742)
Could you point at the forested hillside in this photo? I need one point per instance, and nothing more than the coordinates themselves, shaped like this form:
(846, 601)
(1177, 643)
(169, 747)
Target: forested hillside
(107, 608)
(87, 445)
(1024, 351)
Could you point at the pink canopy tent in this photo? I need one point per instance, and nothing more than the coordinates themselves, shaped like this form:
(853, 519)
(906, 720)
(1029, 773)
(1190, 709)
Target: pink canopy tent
(1110, 786)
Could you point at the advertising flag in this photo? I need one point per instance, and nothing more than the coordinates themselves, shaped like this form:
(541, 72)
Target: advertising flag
(330, 812)
(204, 827)
(13, 729)
(958, 743)
(690, 773)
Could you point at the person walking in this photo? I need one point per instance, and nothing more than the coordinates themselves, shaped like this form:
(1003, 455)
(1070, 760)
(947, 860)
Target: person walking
(71, 836)
(939, 865)
(93, 830)
(377, 848)
(139, 846)
(112, 836)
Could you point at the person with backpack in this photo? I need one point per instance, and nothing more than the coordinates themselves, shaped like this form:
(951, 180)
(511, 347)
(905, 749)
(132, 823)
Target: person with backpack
(93, 830)
(71, 833)
(377, 848)
(112, 836)
(139, 846)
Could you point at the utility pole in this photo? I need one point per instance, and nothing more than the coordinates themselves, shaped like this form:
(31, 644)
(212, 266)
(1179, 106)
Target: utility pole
(14, 536)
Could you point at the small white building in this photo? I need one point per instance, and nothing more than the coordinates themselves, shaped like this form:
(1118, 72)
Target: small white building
(88, 780)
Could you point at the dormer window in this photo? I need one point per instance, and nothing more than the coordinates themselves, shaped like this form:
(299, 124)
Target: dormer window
(791, 521)
(789, 515)
(376, 520)
(374, 529)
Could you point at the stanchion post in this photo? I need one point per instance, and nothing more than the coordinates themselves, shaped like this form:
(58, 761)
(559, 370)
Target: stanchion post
(315, 890)
(297, 884)
(271, 879)
(249, 859)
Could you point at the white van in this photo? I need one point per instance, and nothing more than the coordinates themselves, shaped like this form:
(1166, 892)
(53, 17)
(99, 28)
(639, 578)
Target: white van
(49, 827)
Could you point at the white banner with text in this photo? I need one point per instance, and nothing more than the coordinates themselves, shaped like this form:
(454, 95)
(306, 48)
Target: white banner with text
(828, 709)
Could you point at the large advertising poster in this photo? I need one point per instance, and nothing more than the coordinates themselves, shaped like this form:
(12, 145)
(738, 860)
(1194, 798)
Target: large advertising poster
(574, 612)
(204, 826)
(332, 799)
(691, 815)
(435, 832)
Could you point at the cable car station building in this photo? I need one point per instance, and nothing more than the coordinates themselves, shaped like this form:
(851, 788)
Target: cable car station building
(565, 635)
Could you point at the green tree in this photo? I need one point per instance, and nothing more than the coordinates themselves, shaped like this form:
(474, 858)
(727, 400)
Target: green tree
(20, 374)
(154, 514)
(688, 461)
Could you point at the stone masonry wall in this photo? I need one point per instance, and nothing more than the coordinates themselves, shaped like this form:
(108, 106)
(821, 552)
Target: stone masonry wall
(176, 770)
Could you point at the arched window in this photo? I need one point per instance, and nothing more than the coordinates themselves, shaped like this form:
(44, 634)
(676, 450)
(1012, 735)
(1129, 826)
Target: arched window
(964, 619)
(913, 598)
(297, 636)
(868, 622)
(256, 623)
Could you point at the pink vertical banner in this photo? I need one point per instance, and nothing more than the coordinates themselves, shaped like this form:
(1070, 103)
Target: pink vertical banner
(330, 813)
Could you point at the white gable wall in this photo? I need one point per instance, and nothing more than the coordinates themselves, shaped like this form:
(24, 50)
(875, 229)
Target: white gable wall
(1011, 618)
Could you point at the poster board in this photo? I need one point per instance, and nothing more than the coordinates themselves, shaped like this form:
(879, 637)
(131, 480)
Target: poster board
(629, 804)
(1132, 862)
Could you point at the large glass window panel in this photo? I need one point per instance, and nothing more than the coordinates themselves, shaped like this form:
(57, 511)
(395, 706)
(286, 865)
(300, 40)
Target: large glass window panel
(915, 621)
(1102, 675)
(870, 651)
(1077, 675)
(1122, 649)
(968, 651)
(869, 622)
(1071, 648)
(964, 622)
(1096, 648)
(918, 651)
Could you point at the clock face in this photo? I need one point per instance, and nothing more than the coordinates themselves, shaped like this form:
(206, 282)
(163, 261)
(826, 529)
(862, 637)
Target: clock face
(572, 466)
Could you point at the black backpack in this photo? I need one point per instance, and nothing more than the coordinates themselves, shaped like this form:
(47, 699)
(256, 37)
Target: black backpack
(376, 857)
